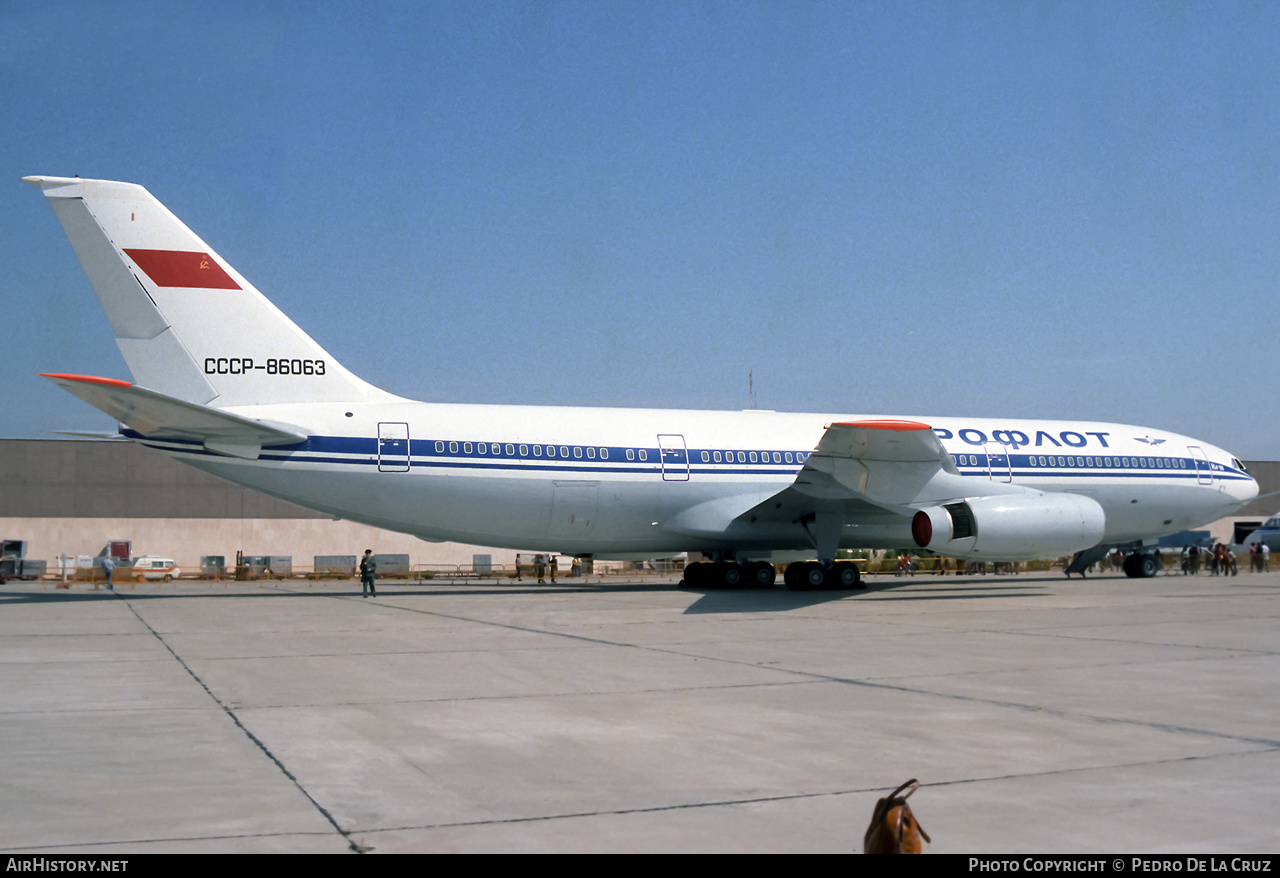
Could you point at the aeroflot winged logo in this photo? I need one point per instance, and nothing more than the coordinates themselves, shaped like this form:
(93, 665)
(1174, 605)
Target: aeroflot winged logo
(1149, 440)
(182, 268)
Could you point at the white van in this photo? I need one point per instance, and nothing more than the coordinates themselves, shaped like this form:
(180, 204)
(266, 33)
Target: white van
(155, 567)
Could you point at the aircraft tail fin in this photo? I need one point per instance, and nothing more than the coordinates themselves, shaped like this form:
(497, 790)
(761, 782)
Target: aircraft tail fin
(188, 324)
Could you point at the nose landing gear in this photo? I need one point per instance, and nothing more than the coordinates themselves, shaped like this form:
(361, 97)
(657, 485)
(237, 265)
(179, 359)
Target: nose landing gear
(1140, 566)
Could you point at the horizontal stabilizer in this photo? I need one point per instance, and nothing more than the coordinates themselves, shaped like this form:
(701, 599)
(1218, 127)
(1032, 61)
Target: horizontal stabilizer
(157, 416)
(105, 437)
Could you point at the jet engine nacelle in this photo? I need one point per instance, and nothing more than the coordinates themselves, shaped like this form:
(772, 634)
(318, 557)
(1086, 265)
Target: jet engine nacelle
(1011, 527)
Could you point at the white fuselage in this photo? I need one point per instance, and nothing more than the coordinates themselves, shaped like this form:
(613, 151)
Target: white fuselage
(622, 482)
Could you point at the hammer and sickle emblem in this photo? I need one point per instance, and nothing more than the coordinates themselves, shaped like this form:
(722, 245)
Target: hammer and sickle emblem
(204, 262)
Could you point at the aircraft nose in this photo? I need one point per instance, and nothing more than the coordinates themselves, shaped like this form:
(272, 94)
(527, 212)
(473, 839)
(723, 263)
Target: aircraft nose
(1245, 490)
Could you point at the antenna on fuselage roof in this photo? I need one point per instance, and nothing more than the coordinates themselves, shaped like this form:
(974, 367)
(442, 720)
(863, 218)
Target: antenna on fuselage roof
(751, 387)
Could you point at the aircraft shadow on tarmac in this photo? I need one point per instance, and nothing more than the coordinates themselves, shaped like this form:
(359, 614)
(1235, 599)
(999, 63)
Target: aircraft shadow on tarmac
(764, 600)
(710, 600)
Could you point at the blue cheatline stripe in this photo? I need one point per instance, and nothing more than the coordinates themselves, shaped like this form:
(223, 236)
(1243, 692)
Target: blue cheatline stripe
(363, 451)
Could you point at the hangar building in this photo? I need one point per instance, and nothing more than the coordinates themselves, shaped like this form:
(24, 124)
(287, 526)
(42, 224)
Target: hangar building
(73, 496)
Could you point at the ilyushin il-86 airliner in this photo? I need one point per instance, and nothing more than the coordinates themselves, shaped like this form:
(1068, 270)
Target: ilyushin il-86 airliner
(227, 383)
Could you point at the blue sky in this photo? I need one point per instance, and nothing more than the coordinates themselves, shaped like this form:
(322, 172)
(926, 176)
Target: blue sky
(1061, 210)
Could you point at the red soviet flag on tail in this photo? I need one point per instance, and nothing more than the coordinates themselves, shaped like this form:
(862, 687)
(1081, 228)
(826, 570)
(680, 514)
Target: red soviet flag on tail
(182, 268)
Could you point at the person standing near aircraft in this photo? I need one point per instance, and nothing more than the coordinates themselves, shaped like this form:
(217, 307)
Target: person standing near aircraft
(109, 566)
(368, 568)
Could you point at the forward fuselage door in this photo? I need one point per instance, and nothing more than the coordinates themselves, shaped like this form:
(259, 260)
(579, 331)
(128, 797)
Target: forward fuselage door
(1204, 472)
(675, 457)
(393, 447)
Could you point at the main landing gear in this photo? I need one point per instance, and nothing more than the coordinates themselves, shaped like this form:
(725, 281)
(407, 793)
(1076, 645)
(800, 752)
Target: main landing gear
(808, 576)
(726, 574)
(815, 576)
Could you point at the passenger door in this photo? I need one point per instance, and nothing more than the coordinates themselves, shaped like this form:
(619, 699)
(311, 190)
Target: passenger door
(393, 447)
(675, 457)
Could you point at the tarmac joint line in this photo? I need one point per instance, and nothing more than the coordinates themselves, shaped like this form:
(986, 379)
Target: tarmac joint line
(230, 712)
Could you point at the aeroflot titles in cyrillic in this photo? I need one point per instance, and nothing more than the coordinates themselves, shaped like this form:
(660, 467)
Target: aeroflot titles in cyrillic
(1019, 439)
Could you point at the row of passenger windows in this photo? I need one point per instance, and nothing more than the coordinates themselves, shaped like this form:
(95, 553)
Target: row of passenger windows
(753, 457)
(1124, 462)
(565, 451)
(591, 452)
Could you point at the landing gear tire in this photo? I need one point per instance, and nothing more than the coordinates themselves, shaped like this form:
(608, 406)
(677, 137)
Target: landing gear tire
(761, 574)
(809, 576)
(814, 576)
(726, 575)
(789, 576)
(847, 575)
(695, 575)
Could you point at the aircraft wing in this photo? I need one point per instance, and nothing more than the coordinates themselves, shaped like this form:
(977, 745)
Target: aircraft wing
(874, 471)
(869, 470)
(157, 416)
(862, 474)
(883, 462)
(884, 440)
